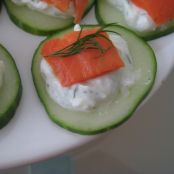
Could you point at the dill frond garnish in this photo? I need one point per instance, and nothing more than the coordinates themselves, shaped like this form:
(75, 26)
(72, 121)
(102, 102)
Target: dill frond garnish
(86, 42)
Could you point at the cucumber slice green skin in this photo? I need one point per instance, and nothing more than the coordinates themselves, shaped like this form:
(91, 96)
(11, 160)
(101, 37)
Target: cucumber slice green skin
(159, 32)
(84, 122)
(11, 90)
(38, 23)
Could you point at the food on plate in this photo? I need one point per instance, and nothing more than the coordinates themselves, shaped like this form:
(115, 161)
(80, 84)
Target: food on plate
(43, 17)
(149, 19)
(10, 87)
(93, 79)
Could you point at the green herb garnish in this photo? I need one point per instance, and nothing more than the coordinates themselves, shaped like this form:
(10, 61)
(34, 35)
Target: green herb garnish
(84, 43)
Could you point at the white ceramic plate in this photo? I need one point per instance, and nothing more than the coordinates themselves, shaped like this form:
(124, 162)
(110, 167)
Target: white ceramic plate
(31, 136)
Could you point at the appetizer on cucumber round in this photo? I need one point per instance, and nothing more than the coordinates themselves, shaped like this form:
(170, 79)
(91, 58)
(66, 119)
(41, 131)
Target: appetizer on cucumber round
(10, 87)
(92, 80)
(149, 19)
(43, 17)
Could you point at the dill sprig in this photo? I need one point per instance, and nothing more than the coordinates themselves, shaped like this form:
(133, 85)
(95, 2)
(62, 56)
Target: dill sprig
(86, 42)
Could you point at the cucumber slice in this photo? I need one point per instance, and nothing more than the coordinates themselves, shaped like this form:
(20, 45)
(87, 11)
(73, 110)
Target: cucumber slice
(36, 22)
(104, 117)
(11, 89)
(105, 13)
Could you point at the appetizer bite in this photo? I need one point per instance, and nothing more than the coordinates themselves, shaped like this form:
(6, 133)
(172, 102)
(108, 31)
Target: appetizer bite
(92, 80)
(10, 87)
(43, 17)
(149, 19)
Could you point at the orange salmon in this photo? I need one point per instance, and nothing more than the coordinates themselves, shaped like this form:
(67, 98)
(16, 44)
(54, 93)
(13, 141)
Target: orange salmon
(87, 64)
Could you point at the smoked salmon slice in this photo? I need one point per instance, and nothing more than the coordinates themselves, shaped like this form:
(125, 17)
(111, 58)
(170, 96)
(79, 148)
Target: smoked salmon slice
(87, 64)
(80, 6)
(63, 5)
(161, 11)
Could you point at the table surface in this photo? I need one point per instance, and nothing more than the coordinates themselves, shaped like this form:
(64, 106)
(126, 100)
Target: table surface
(31, 136)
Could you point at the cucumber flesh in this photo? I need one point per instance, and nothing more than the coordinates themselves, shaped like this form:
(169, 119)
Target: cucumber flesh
(36, 22)
(103, 117)
(103, 7)
(11, 89)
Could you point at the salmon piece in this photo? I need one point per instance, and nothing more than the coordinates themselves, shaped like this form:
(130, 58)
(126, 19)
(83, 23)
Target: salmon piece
(83, 66)
(62, 5)
(161, 11)
(80, 7)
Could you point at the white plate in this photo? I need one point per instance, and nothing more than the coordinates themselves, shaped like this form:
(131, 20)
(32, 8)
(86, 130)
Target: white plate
(31, 136)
